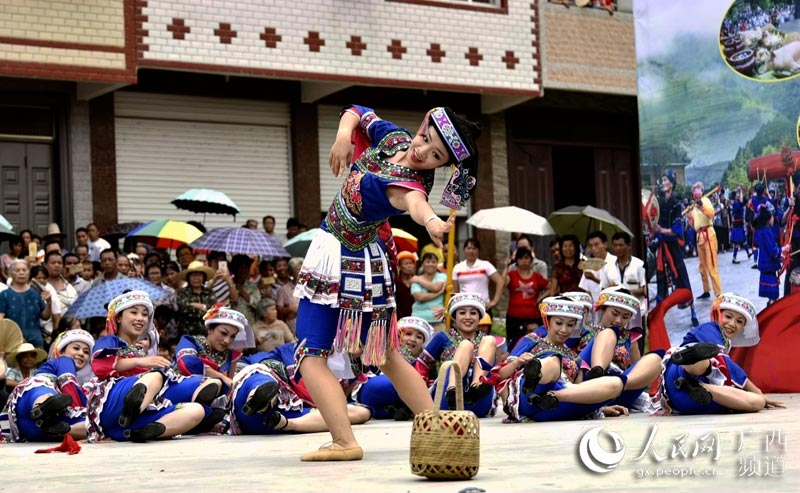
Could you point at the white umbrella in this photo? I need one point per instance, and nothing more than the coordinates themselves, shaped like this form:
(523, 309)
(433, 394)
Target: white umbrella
(512, 220)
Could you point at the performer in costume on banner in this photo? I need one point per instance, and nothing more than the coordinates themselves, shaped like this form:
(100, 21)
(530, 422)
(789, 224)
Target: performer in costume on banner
(790, 217)
(700, 378)
(701, 217)
(669, 257)
(769, 253)
(345, 286)
(51, 403)
(738, 230)
(759, 198)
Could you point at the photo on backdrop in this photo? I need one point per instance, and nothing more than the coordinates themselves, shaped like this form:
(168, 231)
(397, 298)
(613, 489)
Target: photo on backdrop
(718, 112)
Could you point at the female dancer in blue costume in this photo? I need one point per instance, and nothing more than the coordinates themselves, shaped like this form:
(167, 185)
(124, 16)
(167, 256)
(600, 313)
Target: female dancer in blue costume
(542, 379)
(585, 300)
(470, 348)
(345, 286)
(125, 398)
(609, 348)
(699, 377)
(265, 399)
(378, 393)
(206, 364)
(51, 403)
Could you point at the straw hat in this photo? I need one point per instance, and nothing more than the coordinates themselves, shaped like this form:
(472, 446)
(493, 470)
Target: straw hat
(26, 347)
(54, 231)
(197, 266)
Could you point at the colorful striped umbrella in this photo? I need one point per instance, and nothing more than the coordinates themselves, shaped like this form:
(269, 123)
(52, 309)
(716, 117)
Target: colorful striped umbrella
(241, 240)
(404, 240)
(206, 200)
(165, 233)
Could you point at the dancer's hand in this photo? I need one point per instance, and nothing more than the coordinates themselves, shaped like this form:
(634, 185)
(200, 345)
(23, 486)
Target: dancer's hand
(437, 228)
(773, 403)
(615, 410)
(155, 362)
(341, 154)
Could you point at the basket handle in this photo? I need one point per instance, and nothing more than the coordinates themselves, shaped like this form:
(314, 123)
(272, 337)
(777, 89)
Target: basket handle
(437, 400)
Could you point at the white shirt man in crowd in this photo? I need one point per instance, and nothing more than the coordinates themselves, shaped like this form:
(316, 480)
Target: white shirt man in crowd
(597, 242)
(628, 273)
(96, 244)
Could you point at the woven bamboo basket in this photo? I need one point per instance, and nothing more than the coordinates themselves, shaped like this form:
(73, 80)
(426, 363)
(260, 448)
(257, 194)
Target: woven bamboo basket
(446, 444)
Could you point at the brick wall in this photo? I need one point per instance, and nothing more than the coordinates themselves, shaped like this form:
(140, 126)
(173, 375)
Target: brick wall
(71, 40)
(588, 50)
(406, 43)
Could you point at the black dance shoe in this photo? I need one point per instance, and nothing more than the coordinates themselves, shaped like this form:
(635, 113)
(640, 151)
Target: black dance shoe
(689, 355)
(150, 431)
(132, 405)
(450, 398)
(706, 295)
(547, 401)
(209, 422)
(532, 373)
(50, 407)
(207, 395)
(261, 398)
(595, 372)
(476, 393)
(54, 428)
(695, 391)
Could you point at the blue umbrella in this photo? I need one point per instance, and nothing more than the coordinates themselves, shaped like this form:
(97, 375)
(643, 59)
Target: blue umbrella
(94, 303)
(244, 241)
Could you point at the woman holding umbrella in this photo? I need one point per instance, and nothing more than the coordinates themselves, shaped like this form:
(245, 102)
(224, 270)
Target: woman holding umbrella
(345, 284)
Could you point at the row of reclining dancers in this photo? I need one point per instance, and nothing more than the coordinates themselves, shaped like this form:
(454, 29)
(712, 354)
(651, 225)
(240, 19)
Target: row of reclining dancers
(566, 370)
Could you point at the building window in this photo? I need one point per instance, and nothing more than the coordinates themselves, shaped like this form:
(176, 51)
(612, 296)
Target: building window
(493, 6)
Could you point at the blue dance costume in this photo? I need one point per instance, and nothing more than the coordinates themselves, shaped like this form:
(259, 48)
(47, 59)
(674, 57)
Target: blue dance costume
(517, 406)
(442, 348)
(108, 389)
(378, 393)
(345, 286)
(57, 376)
(187, 373)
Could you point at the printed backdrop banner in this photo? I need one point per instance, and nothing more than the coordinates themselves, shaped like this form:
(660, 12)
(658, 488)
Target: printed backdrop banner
(719, 114)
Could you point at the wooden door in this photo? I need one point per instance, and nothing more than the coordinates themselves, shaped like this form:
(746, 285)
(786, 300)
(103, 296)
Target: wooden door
(26, 185)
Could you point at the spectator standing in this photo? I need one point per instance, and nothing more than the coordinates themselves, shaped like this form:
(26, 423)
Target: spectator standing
(427, 289)
(97, 245)
(268, 223)
(629, 273)
(287, 303)
(109, 266)
(24, 305)
(185, 256)
(407, 268)
(526, 288)
(64, 290)
(597, 241)
(14, 251)
(195, 299)
(473, 275)
(567, 273)
(72, 271)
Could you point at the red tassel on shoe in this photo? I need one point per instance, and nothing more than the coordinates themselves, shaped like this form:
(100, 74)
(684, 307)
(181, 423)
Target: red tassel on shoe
(69, 445)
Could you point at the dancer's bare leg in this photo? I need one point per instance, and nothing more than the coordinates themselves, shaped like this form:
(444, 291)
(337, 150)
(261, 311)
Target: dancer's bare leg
(603, 350)
(408, 383)
(590, 392)
(181, 420)
(646, 370)
(329, 398)
(736, 399)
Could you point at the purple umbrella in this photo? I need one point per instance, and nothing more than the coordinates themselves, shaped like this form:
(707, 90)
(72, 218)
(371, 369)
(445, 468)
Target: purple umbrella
(241, 240)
